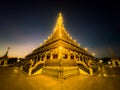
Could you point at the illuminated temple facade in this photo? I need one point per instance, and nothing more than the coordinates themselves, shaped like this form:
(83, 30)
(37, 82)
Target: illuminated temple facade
(59, 55)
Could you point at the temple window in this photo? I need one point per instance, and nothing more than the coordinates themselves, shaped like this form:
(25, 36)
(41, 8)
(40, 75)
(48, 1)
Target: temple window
(48, 57)
(72, 57)
(55, 56)
(65, 56)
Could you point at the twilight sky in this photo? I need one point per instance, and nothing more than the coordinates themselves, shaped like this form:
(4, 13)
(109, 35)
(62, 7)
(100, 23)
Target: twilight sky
(25, 24)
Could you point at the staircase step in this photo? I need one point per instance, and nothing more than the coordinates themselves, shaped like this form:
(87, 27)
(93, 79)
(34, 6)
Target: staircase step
(60, 72)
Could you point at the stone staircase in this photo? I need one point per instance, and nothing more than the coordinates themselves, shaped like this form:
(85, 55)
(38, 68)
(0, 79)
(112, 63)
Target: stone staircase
(83, 66)
(36, 67)
(68, 68)
(60, 72)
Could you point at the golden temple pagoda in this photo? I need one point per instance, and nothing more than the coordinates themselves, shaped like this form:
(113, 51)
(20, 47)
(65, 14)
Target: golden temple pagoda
(4, 59)
(59, 55)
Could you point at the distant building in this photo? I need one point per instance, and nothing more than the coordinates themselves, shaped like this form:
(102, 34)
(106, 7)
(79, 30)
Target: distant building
(114, 59)
(60, 55)
(115, 62)
(4, 59)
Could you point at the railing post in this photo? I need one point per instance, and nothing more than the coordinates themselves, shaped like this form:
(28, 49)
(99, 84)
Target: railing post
(91, 71)
(29, 72)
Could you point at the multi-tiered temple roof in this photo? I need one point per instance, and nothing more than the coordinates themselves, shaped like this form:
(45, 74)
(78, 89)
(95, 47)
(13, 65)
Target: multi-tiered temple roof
(60, 38)
(59, 50)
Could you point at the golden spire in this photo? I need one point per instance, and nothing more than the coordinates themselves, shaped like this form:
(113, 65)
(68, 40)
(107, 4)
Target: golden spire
(59, 24)
(60, 20)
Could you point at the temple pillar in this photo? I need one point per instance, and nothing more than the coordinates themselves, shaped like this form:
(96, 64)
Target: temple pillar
(51, 56)
(36, 58)
(83, 59)
(74, 56)
(45, 58)
(68, 56)
(60, 56)
(40, 58)
(79, 57)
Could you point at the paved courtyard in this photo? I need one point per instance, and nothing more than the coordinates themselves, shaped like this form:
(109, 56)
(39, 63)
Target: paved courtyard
(11, 78)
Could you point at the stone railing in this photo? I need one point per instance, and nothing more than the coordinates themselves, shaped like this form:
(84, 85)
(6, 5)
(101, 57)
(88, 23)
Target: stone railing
(84, 67)
(39, 62)
(36, 67)
(80, 62)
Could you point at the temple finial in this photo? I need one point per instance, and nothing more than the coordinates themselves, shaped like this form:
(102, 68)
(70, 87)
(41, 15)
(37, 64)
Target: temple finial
(60, 20)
